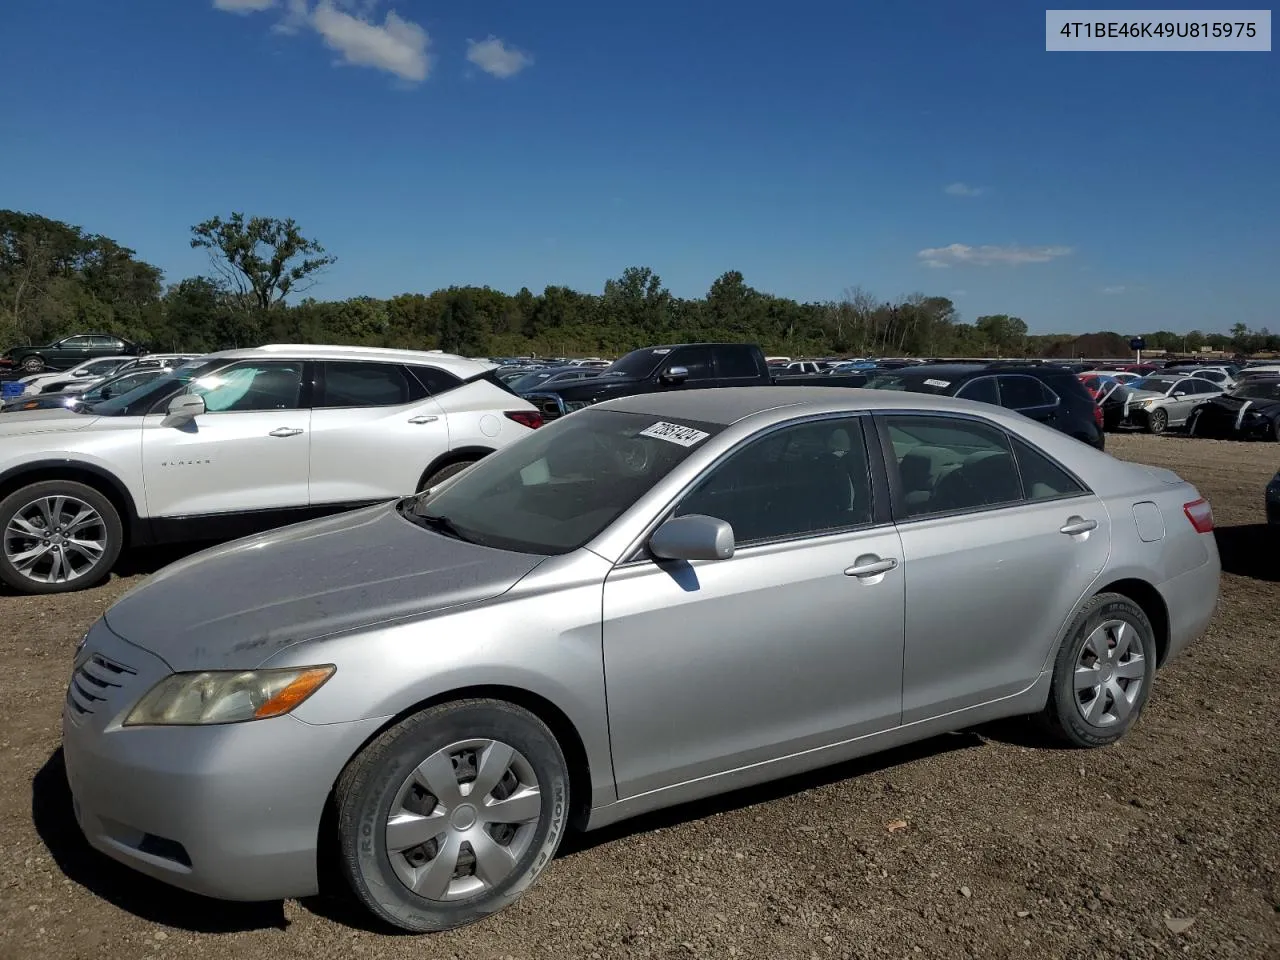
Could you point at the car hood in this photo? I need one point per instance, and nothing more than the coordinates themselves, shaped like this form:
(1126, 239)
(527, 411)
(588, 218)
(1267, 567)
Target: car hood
(1255, 403)
(592, 386)
(236, 605)
(1145, 394)
(49, 420)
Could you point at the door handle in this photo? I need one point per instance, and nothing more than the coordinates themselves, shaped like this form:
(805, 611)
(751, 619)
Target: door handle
(424, 419)
(1077, 525)
(871, 566)
(284, 432)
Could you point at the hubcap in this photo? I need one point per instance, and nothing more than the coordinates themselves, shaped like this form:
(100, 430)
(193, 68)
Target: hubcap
(1110, 671)
(463, 819)
(55, 539)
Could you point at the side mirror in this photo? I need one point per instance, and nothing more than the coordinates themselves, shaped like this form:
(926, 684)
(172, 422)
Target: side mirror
(693, 537)
(1179, 394)
(675, 375)
(186, 406)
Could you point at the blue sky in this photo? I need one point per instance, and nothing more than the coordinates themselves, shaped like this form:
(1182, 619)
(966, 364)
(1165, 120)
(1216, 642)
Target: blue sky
(810, 145)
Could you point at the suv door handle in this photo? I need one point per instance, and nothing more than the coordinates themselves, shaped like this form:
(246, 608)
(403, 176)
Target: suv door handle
(1077, 525)
(423, 419)
(284, 432)
(871, 566)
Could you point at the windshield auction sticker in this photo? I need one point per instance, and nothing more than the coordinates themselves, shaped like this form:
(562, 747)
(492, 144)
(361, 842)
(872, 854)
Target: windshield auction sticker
(674, 433)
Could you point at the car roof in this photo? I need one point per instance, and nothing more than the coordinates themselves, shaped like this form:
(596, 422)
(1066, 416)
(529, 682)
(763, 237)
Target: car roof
(463, 367)
(727, 405)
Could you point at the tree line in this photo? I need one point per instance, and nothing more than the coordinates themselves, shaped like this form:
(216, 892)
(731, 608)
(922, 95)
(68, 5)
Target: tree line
(56, 279)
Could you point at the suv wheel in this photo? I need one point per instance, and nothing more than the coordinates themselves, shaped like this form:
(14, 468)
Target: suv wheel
(451, 814)
(57, 536)
(32, 364)
(444, 473)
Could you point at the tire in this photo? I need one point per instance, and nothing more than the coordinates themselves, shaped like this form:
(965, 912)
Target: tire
(1157, 421)
(33, 364)
(384, 778)
(445, 472)
(1069, 716)
(70, 501)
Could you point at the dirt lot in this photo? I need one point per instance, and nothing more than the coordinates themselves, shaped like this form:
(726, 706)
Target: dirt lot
(1168, 844)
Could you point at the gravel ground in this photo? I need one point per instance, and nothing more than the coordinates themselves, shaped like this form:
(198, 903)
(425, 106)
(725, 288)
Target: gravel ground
(976, 844)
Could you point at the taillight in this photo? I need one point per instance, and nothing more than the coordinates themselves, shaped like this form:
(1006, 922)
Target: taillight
(1097, 414)
(526, 418)
(1200, 514)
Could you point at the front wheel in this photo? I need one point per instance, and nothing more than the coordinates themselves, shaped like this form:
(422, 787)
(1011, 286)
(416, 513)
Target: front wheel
(1103, 673)
(57, 536)
(1157, 421)
(451, 814)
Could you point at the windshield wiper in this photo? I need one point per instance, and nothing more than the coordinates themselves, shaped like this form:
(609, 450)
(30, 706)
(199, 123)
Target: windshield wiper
(439, 523)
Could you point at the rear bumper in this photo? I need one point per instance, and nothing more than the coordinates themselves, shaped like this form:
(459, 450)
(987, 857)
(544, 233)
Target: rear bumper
(1191, 600)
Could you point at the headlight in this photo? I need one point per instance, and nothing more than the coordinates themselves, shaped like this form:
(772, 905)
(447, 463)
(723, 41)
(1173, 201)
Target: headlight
(226, 696)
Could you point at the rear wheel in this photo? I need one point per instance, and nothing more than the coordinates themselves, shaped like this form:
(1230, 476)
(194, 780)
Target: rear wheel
(57, 536)
(1157, 421)
(450, 815)
(33, 364)
(444, 473)
(1103, 673)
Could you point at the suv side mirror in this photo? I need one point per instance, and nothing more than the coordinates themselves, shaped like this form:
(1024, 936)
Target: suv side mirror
(186, 406)
(675, 375)
(692, 537)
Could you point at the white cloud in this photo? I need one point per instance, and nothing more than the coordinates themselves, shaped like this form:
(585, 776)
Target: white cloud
(1120, 289)
(244, 6)
(497, 59)
(398, 46)
(963, 190)
(961, 254)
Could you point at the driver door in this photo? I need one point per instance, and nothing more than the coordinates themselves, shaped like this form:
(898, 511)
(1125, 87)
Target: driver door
(248, 451)
(716, 666)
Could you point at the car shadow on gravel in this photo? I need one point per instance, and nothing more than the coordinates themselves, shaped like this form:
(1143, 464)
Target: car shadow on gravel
(122, 887)
(1250, 550)
(579, 842)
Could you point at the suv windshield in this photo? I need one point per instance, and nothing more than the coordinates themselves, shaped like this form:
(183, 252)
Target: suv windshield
(143, 396)
(559, 487)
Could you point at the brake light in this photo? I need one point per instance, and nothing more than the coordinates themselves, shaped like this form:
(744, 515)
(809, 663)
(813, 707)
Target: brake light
(1097, 414)
(526, 418)
(1200, 514)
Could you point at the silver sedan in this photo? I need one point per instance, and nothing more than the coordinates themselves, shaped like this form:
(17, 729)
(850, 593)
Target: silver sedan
(584, 627)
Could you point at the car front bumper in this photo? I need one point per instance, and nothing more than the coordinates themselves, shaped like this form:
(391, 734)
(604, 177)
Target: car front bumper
(230, 811)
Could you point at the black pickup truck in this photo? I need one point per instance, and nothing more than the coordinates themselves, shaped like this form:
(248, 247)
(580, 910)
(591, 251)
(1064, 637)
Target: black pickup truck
(683, 366)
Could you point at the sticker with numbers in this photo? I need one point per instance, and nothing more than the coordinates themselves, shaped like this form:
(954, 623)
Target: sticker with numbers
(675, 433)
(937, 383)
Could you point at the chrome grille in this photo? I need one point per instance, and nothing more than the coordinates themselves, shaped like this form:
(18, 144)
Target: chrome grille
(94, 681)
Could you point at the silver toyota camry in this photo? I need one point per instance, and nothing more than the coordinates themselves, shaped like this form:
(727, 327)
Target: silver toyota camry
(583, 627)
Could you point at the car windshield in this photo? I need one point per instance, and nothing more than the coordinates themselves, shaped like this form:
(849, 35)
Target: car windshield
(1153, 384)
(1264, 390)
(638, 363)
(559, 487)
(153, 390)
(541, 377)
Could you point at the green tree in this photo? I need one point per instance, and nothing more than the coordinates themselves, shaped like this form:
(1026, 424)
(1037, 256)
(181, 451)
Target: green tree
(262, 259)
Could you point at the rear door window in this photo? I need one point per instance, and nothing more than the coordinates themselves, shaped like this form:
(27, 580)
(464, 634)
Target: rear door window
(981, 390)
(950, 465)
(366, 384)
(1024, 393)
(736, 363)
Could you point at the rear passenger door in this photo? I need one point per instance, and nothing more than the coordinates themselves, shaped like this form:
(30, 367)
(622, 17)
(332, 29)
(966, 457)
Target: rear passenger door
(999, 544)
(374, 430)
(1029, 397)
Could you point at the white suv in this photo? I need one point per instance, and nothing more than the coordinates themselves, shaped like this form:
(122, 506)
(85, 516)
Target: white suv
(235, 442)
